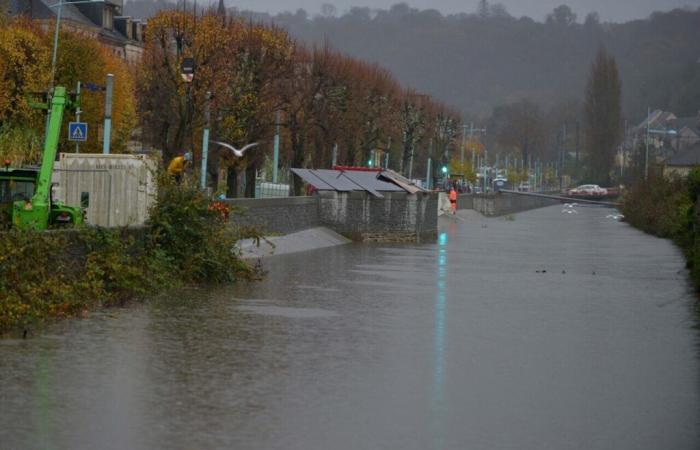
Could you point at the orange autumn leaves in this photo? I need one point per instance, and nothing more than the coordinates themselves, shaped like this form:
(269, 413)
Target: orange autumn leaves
(254, 70)
(25, 68)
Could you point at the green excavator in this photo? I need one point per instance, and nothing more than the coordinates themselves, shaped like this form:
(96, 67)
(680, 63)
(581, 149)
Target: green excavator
(26, 201)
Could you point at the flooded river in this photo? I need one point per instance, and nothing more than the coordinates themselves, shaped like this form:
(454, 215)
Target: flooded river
(549, 331)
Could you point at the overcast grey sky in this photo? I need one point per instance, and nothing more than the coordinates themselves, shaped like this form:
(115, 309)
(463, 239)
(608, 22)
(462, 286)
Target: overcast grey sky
(614, 10)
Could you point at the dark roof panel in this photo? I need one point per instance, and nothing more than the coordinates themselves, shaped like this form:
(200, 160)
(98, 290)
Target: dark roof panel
(374, 182)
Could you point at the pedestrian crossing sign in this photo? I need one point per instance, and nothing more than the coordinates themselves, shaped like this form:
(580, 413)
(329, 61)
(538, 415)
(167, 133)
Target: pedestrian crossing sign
(77, 131)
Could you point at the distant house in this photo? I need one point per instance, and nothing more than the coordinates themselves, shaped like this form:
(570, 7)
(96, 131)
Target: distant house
(688, 131)
(657, 120)
(103, 21)
(682, 163)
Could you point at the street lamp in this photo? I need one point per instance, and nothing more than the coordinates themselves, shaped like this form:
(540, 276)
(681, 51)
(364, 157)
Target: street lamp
(59, 5)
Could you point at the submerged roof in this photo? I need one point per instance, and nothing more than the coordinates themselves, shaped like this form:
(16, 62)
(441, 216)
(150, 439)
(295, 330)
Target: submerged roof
(344, 180)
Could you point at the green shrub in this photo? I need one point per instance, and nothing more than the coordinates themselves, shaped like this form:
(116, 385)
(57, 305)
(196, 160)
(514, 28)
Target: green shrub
(194, 237)
(66, 273)
(666, 207)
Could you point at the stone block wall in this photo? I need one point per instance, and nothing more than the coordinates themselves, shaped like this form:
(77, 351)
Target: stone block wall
(502, 204)
(398, 217)
(276, 215)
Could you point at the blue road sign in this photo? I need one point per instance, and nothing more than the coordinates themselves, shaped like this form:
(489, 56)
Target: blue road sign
(77, 131)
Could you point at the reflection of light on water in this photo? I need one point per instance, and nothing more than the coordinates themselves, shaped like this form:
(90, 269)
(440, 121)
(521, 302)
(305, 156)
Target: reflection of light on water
(439, 350)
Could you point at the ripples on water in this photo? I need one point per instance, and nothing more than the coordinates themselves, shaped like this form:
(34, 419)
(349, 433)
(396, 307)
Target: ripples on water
(563, 331)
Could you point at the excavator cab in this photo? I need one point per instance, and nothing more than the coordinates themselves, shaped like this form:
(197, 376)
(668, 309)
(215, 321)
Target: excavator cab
(16, 185)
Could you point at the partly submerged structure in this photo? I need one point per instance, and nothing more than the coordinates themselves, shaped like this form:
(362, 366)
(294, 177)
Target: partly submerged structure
(372, 204)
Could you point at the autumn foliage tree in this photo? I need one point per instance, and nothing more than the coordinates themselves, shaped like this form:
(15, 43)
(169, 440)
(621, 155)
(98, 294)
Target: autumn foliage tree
(324, 99)
(25, 69)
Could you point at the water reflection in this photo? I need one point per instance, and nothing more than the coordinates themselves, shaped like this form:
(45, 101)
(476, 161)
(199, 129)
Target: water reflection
(459, 344)
(439, 351)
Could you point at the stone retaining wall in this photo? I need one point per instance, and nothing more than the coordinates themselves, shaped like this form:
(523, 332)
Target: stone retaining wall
(276, 215)
(500, 204)
(397, 217)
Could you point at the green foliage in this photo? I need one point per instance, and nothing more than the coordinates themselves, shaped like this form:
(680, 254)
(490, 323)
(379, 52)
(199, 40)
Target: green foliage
(666, 207)
(66, 273)
(198, 241)
(20, 144)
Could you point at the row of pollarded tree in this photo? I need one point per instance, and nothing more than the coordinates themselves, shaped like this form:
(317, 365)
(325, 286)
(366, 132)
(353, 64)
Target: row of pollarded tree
(324, 99)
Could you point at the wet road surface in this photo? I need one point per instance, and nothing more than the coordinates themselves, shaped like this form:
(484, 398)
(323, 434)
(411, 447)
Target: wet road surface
(549, 331)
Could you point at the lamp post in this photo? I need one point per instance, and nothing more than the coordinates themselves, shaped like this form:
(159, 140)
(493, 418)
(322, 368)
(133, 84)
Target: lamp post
(59, 5)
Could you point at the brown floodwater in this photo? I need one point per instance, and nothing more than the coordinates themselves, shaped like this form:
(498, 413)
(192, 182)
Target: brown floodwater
(549, 331)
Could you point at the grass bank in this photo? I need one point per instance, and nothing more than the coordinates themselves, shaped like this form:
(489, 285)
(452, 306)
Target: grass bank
(66, 273)
(669, 208)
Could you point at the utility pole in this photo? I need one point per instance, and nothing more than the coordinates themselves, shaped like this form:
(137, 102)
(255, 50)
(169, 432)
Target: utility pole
(464, 142)
(646, 156)
(564, 154)
(77, 115)
(334, 162)
(388, 150)
(430, 150)
(205, 142)
(428, 174)
(108, 115)
(410, 163)
(578, 140)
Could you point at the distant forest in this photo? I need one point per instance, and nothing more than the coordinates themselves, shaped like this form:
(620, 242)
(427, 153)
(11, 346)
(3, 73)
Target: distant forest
(478, 61)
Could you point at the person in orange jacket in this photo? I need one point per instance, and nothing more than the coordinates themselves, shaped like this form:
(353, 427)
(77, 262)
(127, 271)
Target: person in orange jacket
(453, 200)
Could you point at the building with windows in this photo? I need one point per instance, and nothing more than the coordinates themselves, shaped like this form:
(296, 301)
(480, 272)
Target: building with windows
(122, 35)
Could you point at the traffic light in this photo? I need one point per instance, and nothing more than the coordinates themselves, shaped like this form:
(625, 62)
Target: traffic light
(444, 169)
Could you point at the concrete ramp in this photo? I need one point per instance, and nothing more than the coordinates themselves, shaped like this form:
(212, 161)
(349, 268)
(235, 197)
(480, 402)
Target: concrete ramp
(302, 241)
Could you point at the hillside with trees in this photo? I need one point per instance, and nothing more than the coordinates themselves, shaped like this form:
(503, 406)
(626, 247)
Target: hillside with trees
(477, 61)
(485, 58)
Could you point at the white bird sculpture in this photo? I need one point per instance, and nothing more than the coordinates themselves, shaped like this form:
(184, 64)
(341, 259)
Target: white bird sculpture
(237, 152)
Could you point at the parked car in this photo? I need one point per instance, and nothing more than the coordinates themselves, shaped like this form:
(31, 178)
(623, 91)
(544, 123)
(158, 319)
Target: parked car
(588, 190)
(524, 187)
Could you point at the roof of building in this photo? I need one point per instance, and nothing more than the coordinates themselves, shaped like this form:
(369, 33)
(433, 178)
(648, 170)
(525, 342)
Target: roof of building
(689, 157)
(347, 180)
(657, 119)
(42, 10)
(692, 123)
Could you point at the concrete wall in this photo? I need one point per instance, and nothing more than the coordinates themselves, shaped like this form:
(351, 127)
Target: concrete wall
(502, 204)
(398, 217)
(276, 215)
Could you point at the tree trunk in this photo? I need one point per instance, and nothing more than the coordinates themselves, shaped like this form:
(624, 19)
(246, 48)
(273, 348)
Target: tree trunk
(232, 183)
(250, 172)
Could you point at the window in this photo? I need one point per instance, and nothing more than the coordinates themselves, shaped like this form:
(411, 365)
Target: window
(14, 190)
(107, 18)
